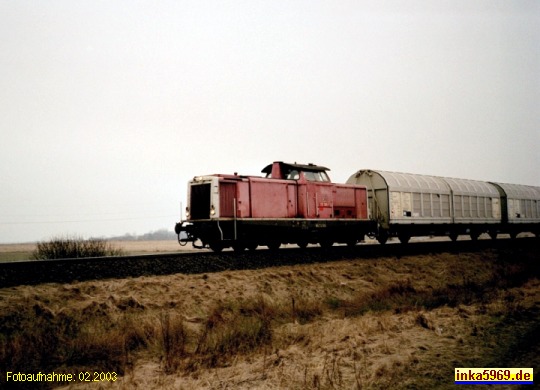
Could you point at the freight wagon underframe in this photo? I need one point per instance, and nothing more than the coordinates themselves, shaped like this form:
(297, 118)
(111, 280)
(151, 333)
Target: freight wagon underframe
(405, 231)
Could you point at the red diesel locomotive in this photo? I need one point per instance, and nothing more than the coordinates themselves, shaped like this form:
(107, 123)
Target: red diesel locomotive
(293, 204)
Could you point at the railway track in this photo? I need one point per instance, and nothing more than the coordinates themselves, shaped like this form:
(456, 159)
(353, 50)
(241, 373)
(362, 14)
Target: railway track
(69, 270)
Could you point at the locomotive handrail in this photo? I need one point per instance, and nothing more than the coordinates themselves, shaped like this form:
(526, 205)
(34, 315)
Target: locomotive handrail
(235, 216)
(220, 230)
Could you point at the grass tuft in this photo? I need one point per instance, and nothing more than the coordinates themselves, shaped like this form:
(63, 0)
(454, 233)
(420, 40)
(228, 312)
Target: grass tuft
(173, 341)
(231, 329)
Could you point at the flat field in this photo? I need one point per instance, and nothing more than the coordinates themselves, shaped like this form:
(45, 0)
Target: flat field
(24, 251)
(16, 251)
(365, 323)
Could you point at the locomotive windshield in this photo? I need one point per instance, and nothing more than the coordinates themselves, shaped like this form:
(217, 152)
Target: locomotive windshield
(293, 174)
(316, 176)
(320, 176)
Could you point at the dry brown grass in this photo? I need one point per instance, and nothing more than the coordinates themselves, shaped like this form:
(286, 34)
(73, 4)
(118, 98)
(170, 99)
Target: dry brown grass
(382, 323)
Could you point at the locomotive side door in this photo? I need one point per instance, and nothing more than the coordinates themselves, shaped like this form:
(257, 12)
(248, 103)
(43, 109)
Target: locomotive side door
(292, 198)
(315, 199)
(323, 199)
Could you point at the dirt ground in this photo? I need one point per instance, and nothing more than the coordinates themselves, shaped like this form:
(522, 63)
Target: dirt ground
(401, 343)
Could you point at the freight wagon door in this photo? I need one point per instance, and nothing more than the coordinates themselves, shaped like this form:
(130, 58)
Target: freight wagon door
(378, 204)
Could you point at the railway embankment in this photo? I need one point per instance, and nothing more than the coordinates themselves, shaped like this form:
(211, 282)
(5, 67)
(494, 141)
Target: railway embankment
(33, 272)
(401, 320)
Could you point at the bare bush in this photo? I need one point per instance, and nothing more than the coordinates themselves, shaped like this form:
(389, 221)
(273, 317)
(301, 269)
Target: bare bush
(74, 247)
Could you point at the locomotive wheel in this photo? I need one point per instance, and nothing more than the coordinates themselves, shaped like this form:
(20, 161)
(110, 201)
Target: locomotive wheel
(216, 246)
(302, 244)
(326, 243)
(239, 247)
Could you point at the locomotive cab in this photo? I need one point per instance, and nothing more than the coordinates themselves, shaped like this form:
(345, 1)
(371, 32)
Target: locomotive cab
(309, 172)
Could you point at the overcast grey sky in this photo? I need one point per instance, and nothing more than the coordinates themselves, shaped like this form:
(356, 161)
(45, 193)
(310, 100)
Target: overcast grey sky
(108, 108)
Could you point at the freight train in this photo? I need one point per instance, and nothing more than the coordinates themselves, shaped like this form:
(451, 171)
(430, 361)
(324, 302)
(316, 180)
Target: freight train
(298, 204)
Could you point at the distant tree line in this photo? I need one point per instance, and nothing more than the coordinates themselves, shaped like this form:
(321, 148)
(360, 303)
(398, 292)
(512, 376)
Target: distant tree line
(161, 234)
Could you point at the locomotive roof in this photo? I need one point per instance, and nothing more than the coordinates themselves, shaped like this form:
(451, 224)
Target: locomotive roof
(300, 167)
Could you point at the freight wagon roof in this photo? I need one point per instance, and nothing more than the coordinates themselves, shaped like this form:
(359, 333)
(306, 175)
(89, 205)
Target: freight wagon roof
(406, 182)
(411, 182)
(472, 187)
(519, 191)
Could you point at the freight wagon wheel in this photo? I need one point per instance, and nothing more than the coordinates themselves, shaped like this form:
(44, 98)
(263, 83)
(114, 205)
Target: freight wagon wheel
(493, 235)
(404, 238)
(382, 237)
(326, 243)
(273, 245)
(453, 236)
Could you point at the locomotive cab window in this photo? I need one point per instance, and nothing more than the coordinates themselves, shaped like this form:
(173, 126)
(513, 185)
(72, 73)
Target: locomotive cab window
(293, 175)
(316, 176)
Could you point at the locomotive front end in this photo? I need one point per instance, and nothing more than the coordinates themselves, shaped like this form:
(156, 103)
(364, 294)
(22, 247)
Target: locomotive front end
(201, 212)
(203, 201)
